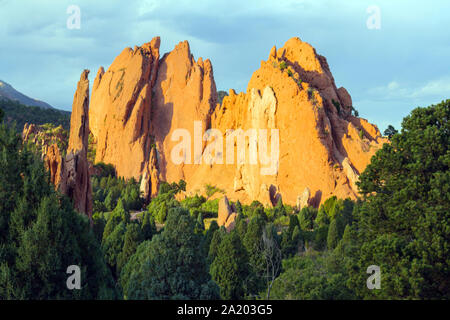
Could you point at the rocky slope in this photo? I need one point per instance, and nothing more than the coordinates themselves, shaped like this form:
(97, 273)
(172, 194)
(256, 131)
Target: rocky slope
(142, 101)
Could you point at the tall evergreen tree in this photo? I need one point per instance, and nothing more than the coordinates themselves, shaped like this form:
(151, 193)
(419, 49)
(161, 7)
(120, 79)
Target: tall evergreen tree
(173, 267)
(333, 235)
(230, 267)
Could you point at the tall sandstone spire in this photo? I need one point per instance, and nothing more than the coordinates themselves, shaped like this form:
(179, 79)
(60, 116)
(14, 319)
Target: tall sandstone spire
(140, 101)
(72, 177)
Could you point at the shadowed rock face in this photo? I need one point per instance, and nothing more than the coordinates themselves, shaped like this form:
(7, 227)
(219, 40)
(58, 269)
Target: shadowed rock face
(140, 101)
(150, 179)
(71, 174)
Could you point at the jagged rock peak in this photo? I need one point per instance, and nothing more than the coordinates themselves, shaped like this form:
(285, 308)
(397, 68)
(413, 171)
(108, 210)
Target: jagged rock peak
(79, 120)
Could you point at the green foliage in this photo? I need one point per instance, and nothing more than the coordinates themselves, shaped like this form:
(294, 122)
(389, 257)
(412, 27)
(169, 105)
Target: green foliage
(104, 170)
(1, 115)
(211, 190)
(116, 217)
(99, 223)
(148, 226)
(275, 213)
(229, 268)
(200, 225)
(283, 65)
(390, 131)
(220, 95)
(354, 111)
(47, 135)
(92, 148)
(112, 246)
(134, 263)
(108, 190)
(256, 208)
(133, 238)
(252, 243)
(171, 265)
(337, 105)
(291, 238)
(41, 234)
(21, 114)
(306, 218)
(165, 200)
(361, 134)
(403, 223)
(333, 235)
(210, 208)
(310, 277)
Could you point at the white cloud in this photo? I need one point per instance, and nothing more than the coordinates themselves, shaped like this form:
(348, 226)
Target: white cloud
(439, 87)
(436, 88)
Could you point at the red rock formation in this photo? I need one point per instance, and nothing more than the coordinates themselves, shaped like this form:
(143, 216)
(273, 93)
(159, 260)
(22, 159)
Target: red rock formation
(185, 92)
(121, 109)
(54, 164)
(320, 145)
(150, 180)
(226, 216)
(43, 136)
(75, 181)
(140, 101)
(224, 211)
(28, 130)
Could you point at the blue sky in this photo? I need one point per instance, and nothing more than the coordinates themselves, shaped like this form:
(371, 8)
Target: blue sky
(388, 71)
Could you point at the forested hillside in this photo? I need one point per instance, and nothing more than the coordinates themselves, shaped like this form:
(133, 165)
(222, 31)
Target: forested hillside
(21, 114)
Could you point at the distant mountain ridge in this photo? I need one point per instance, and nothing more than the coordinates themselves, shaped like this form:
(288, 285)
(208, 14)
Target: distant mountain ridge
(7, 91)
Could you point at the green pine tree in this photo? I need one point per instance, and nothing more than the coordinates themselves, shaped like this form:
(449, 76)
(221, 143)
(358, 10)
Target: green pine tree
(333, 235)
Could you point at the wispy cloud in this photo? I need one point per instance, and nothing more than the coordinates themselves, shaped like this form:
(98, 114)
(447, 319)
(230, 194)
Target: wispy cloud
(394, 90)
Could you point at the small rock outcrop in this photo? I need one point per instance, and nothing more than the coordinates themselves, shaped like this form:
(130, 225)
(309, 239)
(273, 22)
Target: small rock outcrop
(226, 216)
(224, 211)
(54, 163)
(41, 137)
(150, 180)
(303, 200)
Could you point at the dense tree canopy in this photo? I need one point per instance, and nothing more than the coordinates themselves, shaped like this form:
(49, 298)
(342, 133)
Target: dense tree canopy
(404, 221)
(175, 249)
(172, 266)
(41, 235)
(21, 114)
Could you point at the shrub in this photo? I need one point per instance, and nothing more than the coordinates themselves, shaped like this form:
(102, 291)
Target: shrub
(337, 105)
